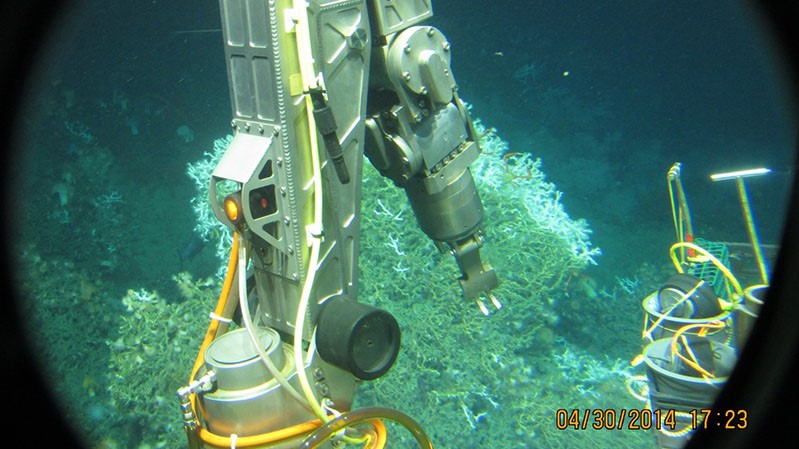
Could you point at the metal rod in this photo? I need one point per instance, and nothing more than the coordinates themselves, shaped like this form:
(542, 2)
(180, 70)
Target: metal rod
(750, 226)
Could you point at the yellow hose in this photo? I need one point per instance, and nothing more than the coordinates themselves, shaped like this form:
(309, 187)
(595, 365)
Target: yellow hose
(352, 418)
(210, 334)
(380, 434)
(295, 431)
(679, 337)
(221, 304)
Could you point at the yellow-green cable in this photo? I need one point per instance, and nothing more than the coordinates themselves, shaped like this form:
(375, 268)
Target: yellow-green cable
(250, 326)
(685, 214)
(681, 432)
(314, 234)
(724, 270)
(679, 211)
(672, 174)
(314, 230)
(648, 332)
(355, 417)
(674, 216)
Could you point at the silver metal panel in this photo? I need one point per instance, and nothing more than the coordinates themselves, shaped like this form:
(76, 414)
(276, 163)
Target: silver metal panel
(233, 16)
(242, 157)
(242, 86)
(396, 15)
(248, 37)
(265, 93)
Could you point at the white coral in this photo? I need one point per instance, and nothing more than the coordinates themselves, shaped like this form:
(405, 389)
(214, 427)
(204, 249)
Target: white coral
(523, 184)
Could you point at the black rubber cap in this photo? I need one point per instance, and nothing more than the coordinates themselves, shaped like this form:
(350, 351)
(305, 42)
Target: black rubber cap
(703, 300)
(357, 338)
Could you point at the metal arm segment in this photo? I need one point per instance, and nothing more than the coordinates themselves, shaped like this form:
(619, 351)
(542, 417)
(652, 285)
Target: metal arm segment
(420, 135)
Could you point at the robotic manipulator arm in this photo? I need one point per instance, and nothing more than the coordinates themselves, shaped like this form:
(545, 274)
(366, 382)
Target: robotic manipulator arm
(314, 86)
